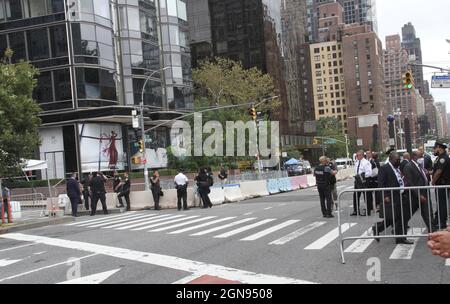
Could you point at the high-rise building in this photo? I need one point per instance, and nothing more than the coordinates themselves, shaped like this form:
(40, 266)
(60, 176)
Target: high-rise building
(313, 16)
(94, 57)
(253, 33)
(430, 109)
(399, 99)
(367, 109)
(442, 123)
(360, 12)
(413, 46)
(327, 66)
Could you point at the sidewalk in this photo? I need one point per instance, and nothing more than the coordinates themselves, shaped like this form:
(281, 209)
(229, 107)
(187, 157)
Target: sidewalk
(19, 224)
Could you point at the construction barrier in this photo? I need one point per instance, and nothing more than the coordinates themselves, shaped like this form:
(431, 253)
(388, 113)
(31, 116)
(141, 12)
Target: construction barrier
(254, 189)
(233, 193)
(311, 180)
(273, 186)
(16, 210)
(284, 184)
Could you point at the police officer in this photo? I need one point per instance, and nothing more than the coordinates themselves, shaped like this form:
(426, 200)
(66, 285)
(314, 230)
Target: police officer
(441, 177)
(323, 174)
(333, 182)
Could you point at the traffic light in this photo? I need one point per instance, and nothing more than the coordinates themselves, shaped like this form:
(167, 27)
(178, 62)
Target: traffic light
(252, 113)
(141, 146)
(408, 81)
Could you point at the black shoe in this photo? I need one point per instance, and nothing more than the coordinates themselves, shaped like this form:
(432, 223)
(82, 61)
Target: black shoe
(179, 209)
(354, 214)
(330, 216)
(325, 216)
(186, 209)
(363, 214)
(404, 242)
(158, 208)
(375, 233)
(210, 205)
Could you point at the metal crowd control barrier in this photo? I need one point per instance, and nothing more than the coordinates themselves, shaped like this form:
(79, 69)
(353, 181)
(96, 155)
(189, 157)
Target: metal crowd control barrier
(398, 210)
(31, 200)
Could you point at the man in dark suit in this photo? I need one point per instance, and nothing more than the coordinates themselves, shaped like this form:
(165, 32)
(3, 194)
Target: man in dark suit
(405, 161)
(415, 176)
(74, 193)
(389, 176)
(427, 162)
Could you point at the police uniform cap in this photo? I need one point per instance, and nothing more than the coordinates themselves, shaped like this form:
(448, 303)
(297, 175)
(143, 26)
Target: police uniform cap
(440, 145)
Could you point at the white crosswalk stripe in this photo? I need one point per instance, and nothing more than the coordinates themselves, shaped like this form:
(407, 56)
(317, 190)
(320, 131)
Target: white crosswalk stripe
(224, 226)
(297, 233)
(155, 219)
(108, 220)
(270, 230)
(120, 221)
(135, 221)
(359, 246)
(405, 252)
(329, 237)
(129, 214)
(447, 262)
(164, 223)
(183, 224)
(242, 229)
(202, 225)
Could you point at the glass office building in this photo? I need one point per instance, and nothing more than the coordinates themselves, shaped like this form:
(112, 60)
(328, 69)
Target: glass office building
(94, 57)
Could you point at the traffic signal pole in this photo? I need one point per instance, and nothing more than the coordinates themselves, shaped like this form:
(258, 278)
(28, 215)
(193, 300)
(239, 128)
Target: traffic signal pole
(146, 181)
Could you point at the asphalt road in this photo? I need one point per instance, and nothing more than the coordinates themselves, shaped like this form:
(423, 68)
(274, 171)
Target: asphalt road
(276, 239)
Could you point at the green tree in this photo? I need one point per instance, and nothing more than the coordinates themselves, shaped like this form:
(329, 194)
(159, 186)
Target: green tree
(331, 127)
(19, 121)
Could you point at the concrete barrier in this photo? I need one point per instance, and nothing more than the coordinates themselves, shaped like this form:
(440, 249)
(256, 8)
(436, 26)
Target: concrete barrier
(311, 180)
(233, 193)
(303, 182)
(295, 182)
(345, 174)
(254, 189)
(217, 195)
(141, 200)
(169, 200)
(284, 184)
(273, 186)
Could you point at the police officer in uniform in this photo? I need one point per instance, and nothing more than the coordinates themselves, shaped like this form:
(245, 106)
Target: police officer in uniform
(323, 174)
(441, 177)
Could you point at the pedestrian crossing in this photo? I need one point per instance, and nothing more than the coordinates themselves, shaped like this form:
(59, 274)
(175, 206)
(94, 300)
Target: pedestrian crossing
(274, 232)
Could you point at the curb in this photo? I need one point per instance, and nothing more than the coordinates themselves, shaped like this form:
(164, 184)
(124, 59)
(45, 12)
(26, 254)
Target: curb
(20, 227)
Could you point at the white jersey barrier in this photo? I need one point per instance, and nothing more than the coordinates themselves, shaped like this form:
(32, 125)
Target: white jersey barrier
(273, 186)
(16, 210)
(217, 196)
(311, 180)
(233, 193)
(254, 189)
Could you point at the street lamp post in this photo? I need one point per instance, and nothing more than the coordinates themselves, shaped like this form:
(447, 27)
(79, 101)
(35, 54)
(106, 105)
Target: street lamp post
(141, 106)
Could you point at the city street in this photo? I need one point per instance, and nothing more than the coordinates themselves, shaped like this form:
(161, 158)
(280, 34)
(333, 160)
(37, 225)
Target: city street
(276, 239)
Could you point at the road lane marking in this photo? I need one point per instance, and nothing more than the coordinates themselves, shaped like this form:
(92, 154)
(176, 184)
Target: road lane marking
(248, 213)
(268, 208)
(93, 278)
(46, 267)
(242, 229)
(100, 219)
(153, 220)
(403, 251)
(202, 225)
(4, 263)
(164, 222)
(224, 226)
(269, 230)
(21, 246)
(121, 221)
(359, 246)
(134, 221)
(329, 237)
(171, 262)
(109, 220)
(183, 224)
(297, 233)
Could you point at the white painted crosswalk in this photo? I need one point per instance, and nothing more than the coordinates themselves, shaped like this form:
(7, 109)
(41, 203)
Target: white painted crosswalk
(270, 231)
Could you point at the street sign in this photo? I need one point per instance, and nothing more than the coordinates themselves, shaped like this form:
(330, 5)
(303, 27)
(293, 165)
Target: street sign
(331, 142)
(391, 142)
(135, 122)
(359, 142)
(440, 82)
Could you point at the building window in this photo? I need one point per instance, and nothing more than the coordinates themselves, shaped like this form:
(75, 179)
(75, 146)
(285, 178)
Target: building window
(62, 85)
(316, 50)
(17, 44)
(38, 44)
(58, 40)
(321, 112)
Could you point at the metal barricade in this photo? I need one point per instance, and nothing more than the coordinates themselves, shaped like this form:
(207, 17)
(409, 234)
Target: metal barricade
(32, 200)
(409, 212)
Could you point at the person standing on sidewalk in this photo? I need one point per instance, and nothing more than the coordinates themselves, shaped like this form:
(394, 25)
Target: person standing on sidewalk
(156, 189)
(97, 185)
(4, 204)
(223, 175)
(125, 188)
(363, 171)
(333, 182)
(204, 182)
(323, 175)
(74, 193)
(441, 177)
(86, 193)
(181, 184)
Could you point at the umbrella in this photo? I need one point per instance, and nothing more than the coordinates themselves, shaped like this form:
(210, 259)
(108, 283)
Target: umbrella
(292, 162)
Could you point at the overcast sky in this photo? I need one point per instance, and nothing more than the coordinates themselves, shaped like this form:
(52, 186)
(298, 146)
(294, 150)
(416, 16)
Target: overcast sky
(431, 19)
